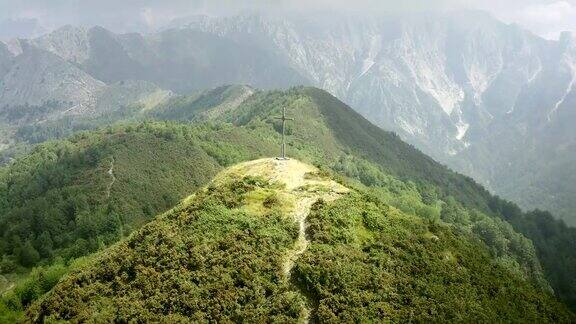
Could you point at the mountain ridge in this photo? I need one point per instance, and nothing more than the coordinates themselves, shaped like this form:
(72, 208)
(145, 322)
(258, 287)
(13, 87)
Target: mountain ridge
(474, 93)
(150, 159)
(232, 238)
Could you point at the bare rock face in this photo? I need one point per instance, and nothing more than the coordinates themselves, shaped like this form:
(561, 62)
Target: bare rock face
(5, 60)
(48, 72)
(38, 76)
(432, 79)
(69, 43)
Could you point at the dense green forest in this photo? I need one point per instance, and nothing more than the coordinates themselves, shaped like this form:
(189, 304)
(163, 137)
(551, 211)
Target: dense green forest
(197, 263)
(71, 197)
(216, 258)
(370, 262)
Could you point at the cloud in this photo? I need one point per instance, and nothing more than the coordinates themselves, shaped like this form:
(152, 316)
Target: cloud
(544, 17)
(548, 13)
(145, 15)
(20, 27)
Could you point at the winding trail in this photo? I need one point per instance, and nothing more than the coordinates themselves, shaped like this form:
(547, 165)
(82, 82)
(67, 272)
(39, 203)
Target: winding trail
(303, 186)
(4, 281)
(112, 176)
(12, 285)
(306, 187)
(301, 211)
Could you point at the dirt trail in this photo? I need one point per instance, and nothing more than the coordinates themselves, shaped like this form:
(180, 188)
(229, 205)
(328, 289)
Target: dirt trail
(4, 281)
(301, 211)
(303, 186)
(112, 177)
(12, 285)
(303, 182)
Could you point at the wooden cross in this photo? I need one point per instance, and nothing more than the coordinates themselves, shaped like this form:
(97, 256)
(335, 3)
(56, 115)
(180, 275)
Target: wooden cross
(283, 148)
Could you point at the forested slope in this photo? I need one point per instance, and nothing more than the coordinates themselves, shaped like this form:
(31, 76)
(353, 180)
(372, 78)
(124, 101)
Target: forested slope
(57, 195)
(218, 256)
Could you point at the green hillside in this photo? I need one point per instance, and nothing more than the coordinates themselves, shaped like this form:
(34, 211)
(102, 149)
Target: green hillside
(218, 257)
(96, 187)
(61, 202)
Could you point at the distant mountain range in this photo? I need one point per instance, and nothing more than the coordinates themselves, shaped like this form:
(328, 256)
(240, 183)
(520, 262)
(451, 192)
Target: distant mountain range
(488, 99)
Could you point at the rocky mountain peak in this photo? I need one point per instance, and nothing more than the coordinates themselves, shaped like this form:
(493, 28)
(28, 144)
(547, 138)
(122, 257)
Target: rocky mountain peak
(5, 59)
(15, 46)
(68, 42)
(38, 76)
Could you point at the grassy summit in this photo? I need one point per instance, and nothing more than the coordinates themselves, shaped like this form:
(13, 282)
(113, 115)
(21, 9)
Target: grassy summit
(235, 251)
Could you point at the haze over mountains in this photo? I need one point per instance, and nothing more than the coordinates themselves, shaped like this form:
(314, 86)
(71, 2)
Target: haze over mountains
(138, 180)
(490, 100)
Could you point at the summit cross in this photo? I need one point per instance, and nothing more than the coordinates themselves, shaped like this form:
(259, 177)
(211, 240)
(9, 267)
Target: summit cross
(283, 148)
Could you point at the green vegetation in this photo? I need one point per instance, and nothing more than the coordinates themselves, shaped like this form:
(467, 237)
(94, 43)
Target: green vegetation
(210, 260)
(25, 291)
(555, 245)
(70, 198)
(54, 202)
(216, 258)
(59, 201)
(199, 106)
(22, 113)
(370, 262)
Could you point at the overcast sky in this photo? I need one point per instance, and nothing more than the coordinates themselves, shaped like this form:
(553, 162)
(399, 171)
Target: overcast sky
(26, 18)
